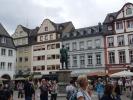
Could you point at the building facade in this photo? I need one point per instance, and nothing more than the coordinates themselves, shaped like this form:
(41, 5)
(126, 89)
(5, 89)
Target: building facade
(46, 51)
(7, 55)
(86, 50)
(119, 39)
(23, 39)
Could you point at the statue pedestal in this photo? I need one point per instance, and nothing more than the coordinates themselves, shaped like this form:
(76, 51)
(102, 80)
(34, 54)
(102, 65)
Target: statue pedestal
(63, 80)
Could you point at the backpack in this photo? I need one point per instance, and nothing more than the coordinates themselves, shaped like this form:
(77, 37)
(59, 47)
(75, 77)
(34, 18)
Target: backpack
(74, 96)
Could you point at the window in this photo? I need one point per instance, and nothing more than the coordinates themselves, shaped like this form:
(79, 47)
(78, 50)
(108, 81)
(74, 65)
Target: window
(2, 65)
(130, 24)
(58, 45)
(110, 28)
(119, 25)
(67, 45)
(46, 37)
(43, 57)
(57, 56)
(3, 40)
(110, 41)
(3, 51)
(120, 40)
(10, 53)
(81, 45)
(89, 44)
(20, 59)
(111, 57)
(128, 11)
(74, 60)
(131, 56)
(130, 39)
(53, 46)
(98, 59)
(46, 28)
(9, 66)
(89, 56)
(48, 47)
(122, 58)
(74, 46)
(51, 36)
(38, 58)
(98, 43)
(82, 60)
(41, 38)
(26, 59)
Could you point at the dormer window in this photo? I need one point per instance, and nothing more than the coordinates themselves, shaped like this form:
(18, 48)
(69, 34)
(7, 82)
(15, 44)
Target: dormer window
(3, 40)
(111, 18)
(46, 28)
(128, 11)
(109, 28)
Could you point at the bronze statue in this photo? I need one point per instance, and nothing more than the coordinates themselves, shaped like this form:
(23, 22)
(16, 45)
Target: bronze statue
(63, 57)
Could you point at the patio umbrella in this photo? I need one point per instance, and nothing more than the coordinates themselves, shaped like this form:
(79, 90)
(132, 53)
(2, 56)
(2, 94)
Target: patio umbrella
(20, 78)
(2, 79)
(122, 74)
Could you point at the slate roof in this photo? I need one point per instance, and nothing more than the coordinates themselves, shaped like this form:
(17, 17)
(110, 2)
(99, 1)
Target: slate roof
(3, 32)
(9, 41)
(58, 25)
(27, 30)
(107, 19)
(83, 32)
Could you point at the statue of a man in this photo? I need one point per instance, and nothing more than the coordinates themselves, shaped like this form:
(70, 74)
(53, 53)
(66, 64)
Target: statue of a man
(63, 57)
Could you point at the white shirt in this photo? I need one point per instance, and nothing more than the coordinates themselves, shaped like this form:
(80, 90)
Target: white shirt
(70, 88)
(84, 94)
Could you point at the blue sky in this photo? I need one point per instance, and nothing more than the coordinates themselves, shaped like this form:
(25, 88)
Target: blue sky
(31, 13)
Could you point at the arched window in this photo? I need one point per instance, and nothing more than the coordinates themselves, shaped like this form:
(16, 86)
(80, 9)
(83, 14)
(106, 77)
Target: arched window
(128, 11)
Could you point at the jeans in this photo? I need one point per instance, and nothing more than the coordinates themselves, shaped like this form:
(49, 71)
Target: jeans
(53, 96)
(28, 98)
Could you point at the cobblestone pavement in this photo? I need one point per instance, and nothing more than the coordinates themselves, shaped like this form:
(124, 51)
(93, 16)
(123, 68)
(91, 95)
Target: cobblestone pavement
(62, 96)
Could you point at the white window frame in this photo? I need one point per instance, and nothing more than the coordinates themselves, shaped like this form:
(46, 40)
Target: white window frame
(98, 59)
(122, 58)
(120, 40)
(111, 57)
(110, 41)
(90, 59)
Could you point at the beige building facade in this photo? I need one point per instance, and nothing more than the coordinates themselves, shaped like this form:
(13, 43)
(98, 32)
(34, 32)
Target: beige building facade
(46, 52)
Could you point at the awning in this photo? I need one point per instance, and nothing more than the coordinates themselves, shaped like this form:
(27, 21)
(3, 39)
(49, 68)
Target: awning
(97, 74)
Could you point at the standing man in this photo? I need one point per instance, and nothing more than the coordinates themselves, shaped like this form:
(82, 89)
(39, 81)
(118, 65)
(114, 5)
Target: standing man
(64, 56)
(29, 90)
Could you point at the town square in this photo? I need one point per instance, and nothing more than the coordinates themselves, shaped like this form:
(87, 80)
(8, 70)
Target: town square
(66, 50)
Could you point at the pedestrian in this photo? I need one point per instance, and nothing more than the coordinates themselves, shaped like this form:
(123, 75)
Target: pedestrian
(44, 89)
(70, 89)
(100, 88)
(54, 90)
(29, 90)
(116, 91)
(7, 95)
(108, 93)
(82, 93)
(20, 88)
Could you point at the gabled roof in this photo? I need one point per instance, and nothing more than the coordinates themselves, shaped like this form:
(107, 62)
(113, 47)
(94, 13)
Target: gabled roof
(3, 32)
(27, 30)
(9, 41)
(113, 15)
(83, 32)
